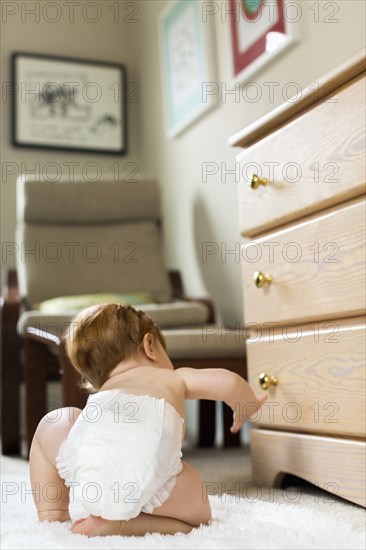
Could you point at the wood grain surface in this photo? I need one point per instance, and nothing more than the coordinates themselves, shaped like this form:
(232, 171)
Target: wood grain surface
(320, 369)
(318, 268)
(334, 464)
(312, 163)
(318, 90)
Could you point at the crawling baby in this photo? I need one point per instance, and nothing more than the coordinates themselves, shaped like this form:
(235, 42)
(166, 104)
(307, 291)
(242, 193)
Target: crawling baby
(118, 461)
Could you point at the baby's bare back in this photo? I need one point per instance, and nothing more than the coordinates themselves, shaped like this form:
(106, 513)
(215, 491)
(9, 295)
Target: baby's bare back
(153, 381)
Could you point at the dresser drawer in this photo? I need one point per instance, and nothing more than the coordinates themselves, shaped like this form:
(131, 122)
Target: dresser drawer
(317, 268)
(320, 370)
(318, 161)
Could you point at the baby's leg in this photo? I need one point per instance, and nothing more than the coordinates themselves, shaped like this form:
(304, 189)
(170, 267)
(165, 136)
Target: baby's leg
(187, 507)
(188, 501)
(50, 494)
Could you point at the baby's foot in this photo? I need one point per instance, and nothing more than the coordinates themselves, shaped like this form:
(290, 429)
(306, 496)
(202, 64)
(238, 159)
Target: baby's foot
(94, 526)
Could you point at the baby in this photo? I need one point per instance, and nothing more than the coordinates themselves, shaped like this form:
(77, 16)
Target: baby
(118, 461)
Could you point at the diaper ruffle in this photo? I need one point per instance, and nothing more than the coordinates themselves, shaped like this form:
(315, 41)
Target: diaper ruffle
(63, 462)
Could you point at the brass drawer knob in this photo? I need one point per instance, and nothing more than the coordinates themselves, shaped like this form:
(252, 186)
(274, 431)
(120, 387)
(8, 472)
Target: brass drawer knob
(260, 279)
(265, 381)
(256, 181)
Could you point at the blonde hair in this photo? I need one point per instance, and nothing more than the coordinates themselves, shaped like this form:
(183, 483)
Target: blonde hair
(101, 336)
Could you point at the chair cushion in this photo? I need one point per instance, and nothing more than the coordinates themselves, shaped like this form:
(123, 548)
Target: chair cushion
(41, 200)
(62, 260)
(80, 237)
(81, 301)
(174, 314)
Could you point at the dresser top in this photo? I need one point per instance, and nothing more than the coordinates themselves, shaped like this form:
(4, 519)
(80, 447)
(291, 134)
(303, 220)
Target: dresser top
(310, 95)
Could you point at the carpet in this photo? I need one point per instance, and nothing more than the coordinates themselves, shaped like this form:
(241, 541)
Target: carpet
(291, 519)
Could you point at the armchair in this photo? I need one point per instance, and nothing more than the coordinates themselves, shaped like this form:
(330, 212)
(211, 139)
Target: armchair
(92, 237)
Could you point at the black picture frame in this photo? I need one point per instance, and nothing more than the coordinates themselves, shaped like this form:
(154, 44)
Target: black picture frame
(55, 105)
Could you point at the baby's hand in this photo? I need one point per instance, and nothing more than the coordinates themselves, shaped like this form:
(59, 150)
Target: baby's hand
(240, 418)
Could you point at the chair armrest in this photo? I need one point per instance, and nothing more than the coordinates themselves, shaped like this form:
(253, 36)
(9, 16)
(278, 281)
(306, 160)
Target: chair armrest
(10, 309)
(11, 370)
(72, 393)
(43, 337)
(176, 283)
(9, 290)
(178, 292)
(10, 299)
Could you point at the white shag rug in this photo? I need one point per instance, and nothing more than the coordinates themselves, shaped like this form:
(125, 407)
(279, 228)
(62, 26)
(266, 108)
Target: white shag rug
(236, 523)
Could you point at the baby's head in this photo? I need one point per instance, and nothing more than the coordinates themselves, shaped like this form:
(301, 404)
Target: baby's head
(102, 336)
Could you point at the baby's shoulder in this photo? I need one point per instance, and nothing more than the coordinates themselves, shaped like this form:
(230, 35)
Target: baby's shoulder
(173, 377)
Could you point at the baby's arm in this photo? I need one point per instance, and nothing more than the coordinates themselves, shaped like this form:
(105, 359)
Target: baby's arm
(222, 385)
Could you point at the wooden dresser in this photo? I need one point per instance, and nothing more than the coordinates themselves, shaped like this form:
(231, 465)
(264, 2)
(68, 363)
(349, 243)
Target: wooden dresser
(302, 213)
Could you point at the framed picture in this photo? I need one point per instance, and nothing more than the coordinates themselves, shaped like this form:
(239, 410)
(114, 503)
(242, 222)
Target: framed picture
(68, 104)
(259, 31)
(186, 64)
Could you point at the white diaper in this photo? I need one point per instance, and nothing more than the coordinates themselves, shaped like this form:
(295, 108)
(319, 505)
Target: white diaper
(122, 455)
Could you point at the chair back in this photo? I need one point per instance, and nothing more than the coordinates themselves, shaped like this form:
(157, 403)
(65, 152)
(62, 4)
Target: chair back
(84, 237)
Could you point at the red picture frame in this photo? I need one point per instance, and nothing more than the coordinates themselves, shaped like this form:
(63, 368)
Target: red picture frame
(253, 30)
